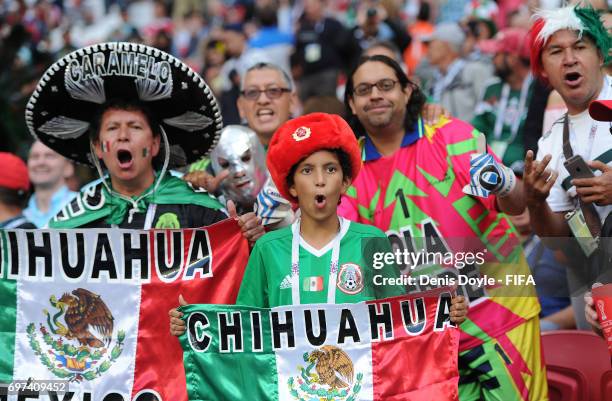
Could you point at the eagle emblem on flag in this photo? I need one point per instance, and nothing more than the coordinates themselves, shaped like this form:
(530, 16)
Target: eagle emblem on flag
(69, 347)
(329, 375)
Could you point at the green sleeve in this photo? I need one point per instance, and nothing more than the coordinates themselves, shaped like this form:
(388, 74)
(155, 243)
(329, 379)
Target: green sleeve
(485, 123)
(254, 287)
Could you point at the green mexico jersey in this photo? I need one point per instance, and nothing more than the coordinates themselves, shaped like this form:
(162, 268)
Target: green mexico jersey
(509, 106)
(267, 280)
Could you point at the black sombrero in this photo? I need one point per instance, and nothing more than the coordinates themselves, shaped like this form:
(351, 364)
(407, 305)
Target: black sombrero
(71, 91)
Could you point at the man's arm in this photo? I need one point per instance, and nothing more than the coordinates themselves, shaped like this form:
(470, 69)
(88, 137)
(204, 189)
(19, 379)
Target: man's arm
(563, 319)
(514, 202)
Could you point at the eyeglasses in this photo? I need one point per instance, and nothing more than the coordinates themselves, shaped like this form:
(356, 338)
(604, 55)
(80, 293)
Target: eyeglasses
(384, 85)
(271, 93)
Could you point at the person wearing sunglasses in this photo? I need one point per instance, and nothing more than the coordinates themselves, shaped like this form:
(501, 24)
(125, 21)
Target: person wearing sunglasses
(267, 97)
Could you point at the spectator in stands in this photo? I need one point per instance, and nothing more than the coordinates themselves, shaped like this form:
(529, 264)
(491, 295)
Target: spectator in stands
(266, 100)
(48, 172)
(373, 26)
(323, 48)
(501, 112)
(422, 28)
(277, 45)
(14, 190)
(458, 84)
(569, 46)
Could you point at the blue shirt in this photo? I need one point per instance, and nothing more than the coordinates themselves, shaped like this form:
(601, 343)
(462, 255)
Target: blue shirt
(16, 222)
(58, 200)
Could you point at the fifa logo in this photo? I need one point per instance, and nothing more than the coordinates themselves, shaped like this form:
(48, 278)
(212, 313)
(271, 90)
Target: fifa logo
(600, 305)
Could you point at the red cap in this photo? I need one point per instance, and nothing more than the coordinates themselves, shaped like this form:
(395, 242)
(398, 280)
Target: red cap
(299, 138)
(510, 41)
(601, 110)
(14, 172)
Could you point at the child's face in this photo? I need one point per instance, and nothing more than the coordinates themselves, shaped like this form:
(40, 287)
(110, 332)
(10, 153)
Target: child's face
(318, 183)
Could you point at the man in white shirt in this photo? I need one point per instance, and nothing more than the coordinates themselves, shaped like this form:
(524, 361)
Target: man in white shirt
(572, 64)
(569, 47)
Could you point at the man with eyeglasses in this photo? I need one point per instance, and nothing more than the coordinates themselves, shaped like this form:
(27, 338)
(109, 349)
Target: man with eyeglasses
(413, 186)
(267, 96)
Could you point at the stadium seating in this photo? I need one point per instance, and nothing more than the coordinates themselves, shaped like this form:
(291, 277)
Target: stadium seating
(576, 362)
(606, 386)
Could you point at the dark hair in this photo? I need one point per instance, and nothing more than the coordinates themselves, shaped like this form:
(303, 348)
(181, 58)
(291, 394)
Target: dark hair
(424, 12)
(266, 15)
(413, 108)
(343, 159)
(127, 105)
(12, 197)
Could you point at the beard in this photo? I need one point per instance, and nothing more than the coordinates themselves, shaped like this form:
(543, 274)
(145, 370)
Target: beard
(503, 71)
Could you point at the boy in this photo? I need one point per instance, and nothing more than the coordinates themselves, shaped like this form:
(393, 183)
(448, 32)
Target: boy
(319, 258)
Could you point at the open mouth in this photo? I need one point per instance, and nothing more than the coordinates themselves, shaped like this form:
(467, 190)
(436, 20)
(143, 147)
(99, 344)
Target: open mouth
(573, 78)
(125, 158)
(242, 184)
(265, 114)
(320, 201)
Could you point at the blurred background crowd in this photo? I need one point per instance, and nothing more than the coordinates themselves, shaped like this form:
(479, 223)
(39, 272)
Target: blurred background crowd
(317, 40)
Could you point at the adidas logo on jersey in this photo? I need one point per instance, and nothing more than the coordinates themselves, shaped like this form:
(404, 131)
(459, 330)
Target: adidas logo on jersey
(286, 283)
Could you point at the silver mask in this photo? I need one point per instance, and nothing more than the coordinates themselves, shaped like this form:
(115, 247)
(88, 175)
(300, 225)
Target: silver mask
(240, 152)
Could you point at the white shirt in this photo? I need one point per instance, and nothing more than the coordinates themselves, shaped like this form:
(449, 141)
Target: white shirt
(590, 139)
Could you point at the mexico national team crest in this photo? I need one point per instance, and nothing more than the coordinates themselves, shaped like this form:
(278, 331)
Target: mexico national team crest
(329, 375)
(301, 133)
(350, 278)
(67, 345)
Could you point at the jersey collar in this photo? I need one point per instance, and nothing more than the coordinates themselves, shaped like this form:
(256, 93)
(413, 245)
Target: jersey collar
(370, 153)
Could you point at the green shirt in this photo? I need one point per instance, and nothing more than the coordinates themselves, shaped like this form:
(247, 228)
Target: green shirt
(267, 279)
(508, 144)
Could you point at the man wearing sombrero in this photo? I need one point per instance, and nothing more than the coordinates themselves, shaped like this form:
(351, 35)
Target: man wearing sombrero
(131, 109)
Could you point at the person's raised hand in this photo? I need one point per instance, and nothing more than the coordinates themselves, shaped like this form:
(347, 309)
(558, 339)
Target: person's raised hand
(537, 179)
(249, 223)
(177, 325)
(432, 112)
(204, 180)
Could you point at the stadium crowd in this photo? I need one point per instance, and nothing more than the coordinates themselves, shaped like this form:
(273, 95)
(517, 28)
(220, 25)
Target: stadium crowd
(268, 61)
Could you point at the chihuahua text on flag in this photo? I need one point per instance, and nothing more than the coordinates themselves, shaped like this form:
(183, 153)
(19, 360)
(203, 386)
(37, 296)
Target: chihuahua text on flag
(91, 306)
(401, 348)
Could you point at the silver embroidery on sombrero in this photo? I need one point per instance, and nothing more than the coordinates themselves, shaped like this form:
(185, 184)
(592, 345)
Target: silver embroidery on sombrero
(81, 84)
(64, 127)
(149, 90)
(189, 121)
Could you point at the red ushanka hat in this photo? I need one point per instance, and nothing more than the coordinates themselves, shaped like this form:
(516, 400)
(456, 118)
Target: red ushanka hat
(299, 138)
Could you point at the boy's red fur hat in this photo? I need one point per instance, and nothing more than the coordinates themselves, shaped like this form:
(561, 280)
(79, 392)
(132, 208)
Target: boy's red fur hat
(300, 137)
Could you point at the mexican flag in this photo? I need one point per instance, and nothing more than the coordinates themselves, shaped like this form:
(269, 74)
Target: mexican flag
(91, 306)
(401, 348)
